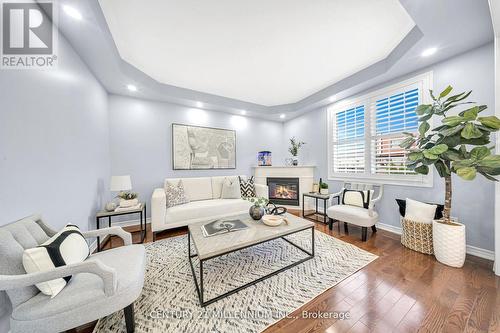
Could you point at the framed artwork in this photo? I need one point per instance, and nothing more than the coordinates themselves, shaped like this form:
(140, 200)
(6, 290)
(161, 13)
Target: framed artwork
(201, 148)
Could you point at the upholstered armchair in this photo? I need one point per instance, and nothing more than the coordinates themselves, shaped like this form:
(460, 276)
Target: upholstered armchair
(104, 283)
(361, 216)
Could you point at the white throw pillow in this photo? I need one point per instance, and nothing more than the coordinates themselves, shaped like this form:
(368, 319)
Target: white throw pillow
(419, 211)
(66, 247)
(357, 198)
(231, 189)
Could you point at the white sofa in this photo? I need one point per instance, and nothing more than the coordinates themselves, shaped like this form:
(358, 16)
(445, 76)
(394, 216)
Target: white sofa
(204, 194)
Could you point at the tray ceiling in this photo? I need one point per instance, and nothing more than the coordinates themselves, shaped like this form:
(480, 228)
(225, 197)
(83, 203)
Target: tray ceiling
(264, 52)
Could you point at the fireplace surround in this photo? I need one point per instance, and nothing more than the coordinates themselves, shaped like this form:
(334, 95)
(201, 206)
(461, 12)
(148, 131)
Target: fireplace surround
(284, 190)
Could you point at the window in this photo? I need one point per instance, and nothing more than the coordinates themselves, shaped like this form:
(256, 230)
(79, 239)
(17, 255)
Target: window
(365, 133)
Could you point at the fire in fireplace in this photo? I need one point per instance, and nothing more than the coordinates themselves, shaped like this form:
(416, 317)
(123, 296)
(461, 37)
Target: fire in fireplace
(284, 191)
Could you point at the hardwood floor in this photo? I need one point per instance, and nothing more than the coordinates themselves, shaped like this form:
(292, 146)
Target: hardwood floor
(402, 291)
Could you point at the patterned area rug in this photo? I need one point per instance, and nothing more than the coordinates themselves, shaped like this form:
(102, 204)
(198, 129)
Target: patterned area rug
(169, 302)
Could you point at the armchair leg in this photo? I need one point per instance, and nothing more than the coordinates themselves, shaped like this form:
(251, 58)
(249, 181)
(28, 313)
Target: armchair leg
(374, 228)
(154, 236)
(364, 231)
(330, 223)
(346, 230)
(129, 318)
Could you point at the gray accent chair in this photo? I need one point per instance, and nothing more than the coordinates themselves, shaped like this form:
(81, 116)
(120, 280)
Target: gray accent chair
(363, 217)
(106, 282)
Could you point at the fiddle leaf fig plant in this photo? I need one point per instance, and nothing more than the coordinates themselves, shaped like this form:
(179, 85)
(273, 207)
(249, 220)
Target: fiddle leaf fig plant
(460, 144)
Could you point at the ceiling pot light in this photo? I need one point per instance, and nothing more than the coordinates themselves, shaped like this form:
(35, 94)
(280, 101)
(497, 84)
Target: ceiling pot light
(131, 87)
(70, 11)
(282, 116)
(199, 104)
(243, 112)
(428, 52)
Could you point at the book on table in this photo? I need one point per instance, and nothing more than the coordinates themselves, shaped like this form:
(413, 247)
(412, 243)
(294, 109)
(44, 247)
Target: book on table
(222, 226)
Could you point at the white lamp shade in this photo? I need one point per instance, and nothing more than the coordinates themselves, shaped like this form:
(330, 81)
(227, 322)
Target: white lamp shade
(121, 183)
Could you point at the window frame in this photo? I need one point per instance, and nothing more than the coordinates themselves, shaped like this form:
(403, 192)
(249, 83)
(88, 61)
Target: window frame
(424, 83)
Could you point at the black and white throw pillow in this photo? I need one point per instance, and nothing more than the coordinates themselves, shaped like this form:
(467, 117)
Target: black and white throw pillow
(66, 247)
(175, 194)
(247, 187)
(357, 198)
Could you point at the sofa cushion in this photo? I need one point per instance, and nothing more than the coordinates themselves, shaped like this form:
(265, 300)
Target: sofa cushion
(247, 187)
(357, 198)
(231, 188)
(206, 209)
(175, 194)
(217, 186)
(352, 214)
(199, 188)
(66, 247)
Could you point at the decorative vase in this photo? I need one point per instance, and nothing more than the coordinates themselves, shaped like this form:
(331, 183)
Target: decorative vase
(256, 212)
(323, 191)
(449, 243)
(295, 161)
(110, 206)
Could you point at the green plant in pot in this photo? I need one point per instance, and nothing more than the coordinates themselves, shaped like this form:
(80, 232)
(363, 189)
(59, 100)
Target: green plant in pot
(258, 209)
(127, 199)
(323, 188)
(459, 145)
(294, 148)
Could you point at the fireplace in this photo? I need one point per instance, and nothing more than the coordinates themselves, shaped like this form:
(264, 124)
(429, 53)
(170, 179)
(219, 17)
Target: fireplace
(284, 191)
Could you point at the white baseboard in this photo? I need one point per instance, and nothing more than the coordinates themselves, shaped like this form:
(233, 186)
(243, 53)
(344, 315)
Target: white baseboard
(127, 223)
(472, 250)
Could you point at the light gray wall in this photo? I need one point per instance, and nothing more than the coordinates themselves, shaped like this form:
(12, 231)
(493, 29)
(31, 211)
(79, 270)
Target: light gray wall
(473, 202)
(140, 137)
(54, 145)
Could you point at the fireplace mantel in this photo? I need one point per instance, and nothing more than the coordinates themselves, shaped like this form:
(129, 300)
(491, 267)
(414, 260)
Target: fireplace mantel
(305, 173)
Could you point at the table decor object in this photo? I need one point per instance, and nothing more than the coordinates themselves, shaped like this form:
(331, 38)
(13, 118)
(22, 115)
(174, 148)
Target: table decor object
(264, 158)
(258, 209)
(294, 148)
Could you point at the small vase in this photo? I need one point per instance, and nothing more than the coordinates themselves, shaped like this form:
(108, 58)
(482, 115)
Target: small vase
(256, 212)
(449, 243)
(295, 161)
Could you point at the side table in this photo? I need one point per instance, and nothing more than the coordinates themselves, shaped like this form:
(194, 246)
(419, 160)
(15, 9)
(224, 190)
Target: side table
(105, 214)
(317, 197)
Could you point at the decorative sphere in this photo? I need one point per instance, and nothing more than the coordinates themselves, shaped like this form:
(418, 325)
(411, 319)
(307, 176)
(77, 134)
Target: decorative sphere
(110, 206)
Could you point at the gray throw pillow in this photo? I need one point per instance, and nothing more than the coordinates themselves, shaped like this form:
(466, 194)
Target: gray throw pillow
(231, 188)
(175, 194)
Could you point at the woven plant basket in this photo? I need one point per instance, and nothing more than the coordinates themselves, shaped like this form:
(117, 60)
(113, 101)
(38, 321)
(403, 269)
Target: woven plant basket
(417, 236)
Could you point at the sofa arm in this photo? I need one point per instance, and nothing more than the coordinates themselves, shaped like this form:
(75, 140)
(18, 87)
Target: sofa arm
(107, 274)
(262, 190)
(117, 231)
(158, 209)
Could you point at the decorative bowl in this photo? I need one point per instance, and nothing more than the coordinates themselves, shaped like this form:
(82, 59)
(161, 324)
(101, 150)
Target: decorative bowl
(272, 220)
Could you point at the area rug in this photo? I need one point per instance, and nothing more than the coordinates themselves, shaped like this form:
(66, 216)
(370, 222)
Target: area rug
(169, 302)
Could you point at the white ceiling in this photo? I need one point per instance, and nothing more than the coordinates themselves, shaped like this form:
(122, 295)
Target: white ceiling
(260, 51)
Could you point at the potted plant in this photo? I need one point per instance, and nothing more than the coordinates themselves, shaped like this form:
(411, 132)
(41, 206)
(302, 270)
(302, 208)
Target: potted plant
(127, 199)
(258, 208)
(323, 188)
(460, 145)
(294, 149)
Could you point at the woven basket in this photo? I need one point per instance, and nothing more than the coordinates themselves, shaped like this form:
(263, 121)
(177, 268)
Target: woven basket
(417, 236)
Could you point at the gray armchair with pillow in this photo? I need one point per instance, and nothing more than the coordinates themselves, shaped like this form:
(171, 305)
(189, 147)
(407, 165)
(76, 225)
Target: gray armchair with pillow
(356, 205)
(102, 284)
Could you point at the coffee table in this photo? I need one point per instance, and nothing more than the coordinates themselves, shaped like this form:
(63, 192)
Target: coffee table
(208, 248)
